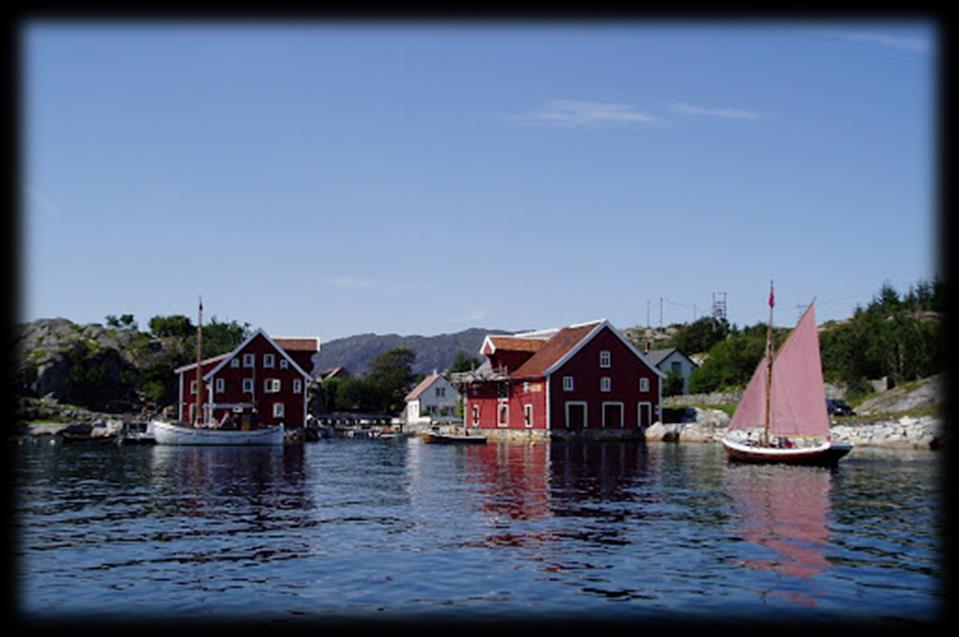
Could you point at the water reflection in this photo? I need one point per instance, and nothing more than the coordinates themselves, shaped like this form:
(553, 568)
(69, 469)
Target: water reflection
(200, 481)
(783, 510)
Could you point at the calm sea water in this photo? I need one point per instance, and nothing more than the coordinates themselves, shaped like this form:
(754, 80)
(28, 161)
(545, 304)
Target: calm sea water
(359, 529)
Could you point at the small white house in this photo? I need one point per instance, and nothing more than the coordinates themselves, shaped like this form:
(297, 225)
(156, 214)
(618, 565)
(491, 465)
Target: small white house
(672, 360)
(432, 400)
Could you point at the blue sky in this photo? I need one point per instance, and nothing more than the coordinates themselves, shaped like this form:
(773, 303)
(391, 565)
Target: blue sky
(331, 179)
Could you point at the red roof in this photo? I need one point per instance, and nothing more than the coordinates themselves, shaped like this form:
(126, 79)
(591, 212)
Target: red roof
(516, 344)
(553, 350)
(298, 344)
(422, 387)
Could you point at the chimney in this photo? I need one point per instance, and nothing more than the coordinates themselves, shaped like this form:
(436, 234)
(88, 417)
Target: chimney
(648, 345)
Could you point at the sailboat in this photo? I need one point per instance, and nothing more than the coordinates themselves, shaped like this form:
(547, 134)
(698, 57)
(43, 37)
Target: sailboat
(207, 432)
(784, 404)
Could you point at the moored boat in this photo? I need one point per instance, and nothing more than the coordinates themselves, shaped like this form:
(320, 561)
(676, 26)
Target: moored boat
(440, 438)
(167, 433)
(136, 433)
(785, 400)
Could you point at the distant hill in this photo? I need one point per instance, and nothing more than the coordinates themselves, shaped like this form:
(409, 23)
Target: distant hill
(432, 352)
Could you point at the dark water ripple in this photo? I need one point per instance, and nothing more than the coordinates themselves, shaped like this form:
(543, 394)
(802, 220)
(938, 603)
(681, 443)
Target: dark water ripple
(400, 528)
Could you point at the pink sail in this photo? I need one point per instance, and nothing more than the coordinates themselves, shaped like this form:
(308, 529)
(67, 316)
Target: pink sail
(798, 400)
(751, 411)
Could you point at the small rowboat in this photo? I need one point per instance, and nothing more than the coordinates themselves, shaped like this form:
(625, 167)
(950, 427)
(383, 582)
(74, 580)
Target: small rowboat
(446, 439)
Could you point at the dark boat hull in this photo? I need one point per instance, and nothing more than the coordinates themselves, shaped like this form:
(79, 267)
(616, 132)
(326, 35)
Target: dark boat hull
(444, 439)
(826, 455)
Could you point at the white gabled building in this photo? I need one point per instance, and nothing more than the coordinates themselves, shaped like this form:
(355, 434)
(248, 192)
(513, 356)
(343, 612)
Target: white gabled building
(672, 360)
(434, 398)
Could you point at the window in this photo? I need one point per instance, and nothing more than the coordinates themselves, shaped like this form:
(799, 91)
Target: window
(528, 415)
(476, 415)
(677, 367)
(502, 415)
(271, 385)
(219, 385)
(604, 358)
(279, 410)
(525, 388)
(247, 385)
(605, 383)
(440, 392)
(284, 364)
(643, 384)
(193, 387)
(297, 386)
(268, 360)
(249, 360)
(235, 362)
(567, 383)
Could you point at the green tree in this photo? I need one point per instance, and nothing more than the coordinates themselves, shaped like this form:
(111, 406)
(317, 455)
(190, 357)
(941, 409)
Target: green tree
(673, 384)
(699, 336)
(176, 325)
(390, 378)
(463, 363)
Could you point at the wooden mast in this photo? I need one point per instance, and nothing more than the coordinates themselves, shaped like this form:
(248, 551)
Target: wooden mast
(197, 417)
(769, 365)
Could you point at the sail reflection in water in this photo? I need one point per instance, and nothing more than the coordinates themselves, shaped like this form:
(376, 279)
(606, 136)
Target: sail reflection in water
(783, 510)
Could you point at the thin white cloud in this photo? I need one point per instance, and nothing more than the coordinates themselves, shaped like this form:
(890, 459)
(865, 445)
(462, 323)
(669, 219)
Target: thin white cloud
(585, 113)
(916, 45)
(722, 113)
(350, 282)
(476, 314)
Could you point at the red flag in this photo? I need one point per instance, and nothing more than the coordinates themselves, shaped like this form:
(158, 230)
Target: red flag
(771, 299)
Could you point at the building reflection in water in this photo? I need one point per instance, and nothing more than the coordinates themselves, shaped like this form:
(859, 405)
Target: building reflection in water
(542, 480)
(783, 510)
(202, 481)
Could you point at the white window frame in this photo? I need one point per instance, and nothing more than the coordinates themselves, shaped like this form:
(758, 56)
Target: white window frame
(502, 408)
(528, 415)
(585, 405)
(297, 385)
(622, 412)
(476, 415)
(235, 363)
(440, 392)
(249, 360)
(272, 386)
(279, 410)
(606, 384)
(269, 361)
(568, 386)
(193, 388)
(247, 385)
(643, 384)
(605, 359)
(220, 385)
(284, 364)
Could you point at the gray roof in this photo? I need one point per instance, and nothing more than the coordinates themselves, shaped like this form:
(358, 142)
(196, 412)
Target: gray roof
(657, 356)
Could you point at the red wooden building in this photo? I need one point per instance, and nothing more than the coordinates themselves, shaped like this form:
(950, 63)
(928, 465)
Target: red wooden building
(581, 377)
(262, 382)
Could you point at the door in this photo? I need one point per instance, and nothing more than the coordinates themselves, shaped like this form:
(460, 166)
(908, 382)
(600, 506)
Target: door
(575, 415)
(644, 413)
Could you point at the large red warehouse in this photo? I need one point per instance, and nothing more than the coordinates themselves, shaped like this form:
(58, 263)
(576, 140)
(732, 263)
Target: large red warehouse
(585, 377)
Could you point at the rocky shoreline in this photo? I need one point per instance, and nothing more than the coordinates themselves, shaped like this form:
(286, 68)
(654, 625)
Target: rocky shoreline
(905, 432)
